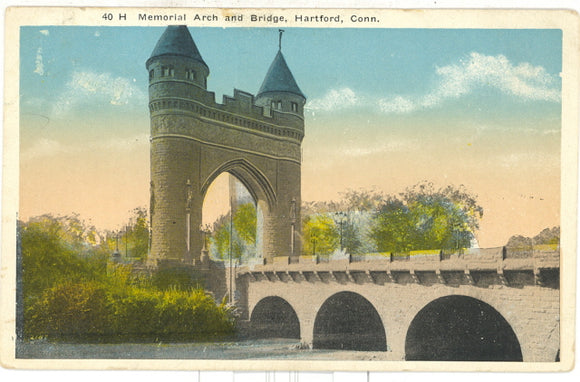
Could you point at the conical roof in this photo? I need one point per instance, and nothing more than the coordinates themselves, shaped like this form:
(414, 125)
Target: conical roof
(279, 78)
(177, 41)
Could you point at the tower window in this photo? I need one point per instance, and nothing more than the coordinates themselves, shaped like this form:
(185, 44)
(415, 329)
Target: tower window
(167, 71)
(294, 107)
(277, 105)
(151, 74)
(190, 75)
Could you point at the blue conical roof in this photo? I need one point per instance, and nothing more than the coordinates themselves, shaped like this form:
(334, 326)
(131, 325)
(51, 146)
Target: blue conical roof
(279, 78)
(177, 41)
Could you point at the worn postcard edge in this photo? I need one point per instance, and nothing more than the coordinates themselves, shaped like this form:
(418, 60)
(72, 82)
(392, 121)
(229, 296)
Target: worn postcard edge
(565, 20)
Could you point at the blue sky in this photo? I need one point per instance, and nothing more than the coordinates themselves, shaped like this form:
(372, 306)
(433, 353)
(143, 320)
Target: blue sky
(474, 107)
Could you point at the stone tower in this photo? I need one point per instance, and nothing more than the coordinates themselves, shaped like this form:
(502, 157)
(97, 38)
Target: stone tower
(194, 140)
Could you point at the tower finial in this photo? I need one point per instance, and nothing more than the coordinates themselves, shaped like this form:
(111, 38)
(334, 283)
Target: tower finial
(280, 39)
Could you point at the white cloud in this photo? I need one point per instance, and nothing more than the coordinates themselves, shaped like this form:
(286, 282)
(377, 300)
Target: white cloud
(397, 105)
(44, 32)
(39, 65)
(334, 100)
(523, 81)
(97, 88)
(97, 34)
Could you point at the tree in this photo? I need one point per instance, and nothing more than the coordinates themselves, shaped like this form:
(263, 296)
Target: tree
(243, 235)
(425, 218)
(546, 236)
(321, 236)
(245, 222)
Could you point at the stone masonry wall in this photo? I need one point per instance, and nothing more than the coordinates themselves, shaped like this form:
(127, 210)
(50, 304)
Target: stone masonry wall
(531, 311)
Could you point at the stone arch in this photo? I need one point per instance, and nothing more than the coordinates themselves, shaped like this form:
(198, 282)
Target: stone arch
(251, 177)
(274, 317)
(348, 321)
(461, 328)
(259, 187)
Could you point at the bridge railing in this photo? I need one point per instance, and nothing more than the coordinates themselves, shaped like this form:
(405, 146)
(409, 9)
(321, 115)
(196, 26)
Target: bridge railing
(496, 253)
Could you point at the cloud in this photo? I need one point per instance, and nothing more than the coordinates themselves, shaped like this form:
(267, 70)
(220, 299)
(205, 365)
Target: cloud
(397, 105)
(39, 65)
(335, 99)
(44, 32)
(523, 81)
(97, 88)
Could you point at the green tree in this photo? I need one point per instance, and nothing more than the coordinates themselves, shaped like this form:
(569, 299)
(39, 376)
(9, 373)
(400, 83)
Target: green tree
(321, 236)
(393, 226)
(245, 222)
(243, 235)
(425, 218)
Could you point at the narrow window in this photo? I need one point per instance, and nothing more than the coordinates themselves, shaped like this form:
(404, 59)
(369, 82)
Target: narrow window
(190, 75)
(280, 105)
(167, 71)
(294, 107)
(151, 74)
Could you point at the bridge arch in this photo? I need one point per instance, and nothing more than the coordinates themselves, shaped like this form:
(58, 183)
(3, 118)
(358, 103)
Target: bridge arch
(348, 321)
(274, 317)
(461, 328)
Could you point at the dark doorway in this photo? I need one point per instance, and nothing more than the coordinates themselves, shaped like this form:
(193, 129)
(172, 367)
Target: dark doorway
(348, 321)
(461, 328)
(274, 317)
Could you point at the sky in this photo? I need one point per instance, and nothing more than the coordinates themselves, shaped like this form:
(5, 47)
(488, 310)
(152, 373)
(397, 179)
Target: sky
(386, 109)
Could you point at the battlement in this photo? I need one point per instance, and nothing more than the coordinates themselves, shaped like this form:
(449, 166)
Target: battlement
(238, 111)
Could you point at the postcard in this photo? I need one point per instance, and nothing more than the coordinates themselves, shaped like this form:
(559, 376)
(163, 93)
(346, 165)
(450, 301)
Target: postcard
(289, 189)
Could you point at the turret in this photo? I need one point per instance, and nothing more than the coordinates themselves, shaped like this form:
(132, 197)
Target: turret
(279, 91)
(176, 58)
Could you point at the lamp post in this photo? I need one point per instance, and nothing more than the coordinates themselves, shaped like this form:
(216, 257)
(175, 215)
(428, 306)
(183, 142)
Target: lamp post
(341, 216)
(313, 240)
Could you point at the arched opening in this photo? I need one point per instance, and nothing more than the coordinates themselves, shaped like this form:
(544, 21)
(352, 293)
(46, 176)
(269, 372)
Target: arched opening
(230, 220)
(274, 317)
(460, 328)
(348, 321)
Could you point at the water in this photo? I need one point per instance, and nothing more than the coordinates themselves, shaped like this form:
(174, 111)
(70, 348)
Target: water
(287, 349)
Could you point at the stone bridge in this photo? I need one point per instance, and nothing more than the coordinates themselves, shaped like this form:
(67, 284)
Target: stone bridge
(484, 304)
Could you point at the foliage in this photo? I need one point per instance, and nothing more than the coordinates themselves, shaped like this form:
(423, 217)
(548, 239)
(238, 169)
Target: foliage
(321, 236)
(71, 291)
(425, 218)
(243, 235)
(54, 250)
(546, 236)
(133, 240)
(245, 222)
(177, 277)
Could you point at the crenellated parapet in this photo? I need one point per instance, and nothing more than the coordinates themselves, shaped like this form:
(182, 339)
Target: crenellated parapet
(237, 112)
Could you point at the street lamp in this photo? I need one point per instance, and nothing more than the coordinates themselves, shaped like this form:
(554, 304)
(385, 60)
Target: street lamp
(341, 216)
(313, 240)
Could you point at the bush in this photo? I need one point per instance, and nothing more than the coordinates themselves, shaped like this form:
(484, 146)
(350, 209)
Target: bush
(70, 311)
(70, 292)
(93, 312)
